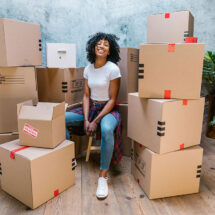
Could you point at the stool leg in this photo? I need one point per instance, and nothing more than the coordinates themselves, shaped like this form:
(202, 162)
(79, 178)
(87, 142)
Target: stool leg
(88, 149)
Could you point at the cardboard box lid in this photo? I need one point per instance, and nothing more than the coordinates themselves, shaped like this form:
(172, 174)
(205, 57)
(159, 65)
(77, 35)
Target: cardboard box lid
(42, 111)
(31, 153)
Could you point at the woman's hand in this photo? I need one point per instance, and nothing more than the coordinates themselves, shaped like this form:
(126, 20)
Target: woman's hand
(92, 128)
(86, 125)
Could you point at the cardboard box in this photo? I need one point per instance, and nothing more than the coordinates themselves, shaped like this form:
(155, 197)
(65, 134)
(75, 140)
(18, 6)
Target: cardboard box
(58, 85)
(81, 144)
(170, 70)
(17, 84)
(42, 125)
(7, 137)
(170, 174)
(35, 175)
(20, 43)
(170, 27)
(165, 125)
(129, 71)
(126, 141)
(61, 55)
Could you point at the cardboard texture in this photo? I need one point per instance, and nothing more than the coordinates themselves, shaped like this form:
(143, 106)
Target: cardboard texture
(20, 43)
(42, 125)
(126, 141)
(164, 125)
(58, 85)
(128, 66)
(170, 27)
(7, 137)
(40, 174)
(170, 70)
(170, 174)
(17, 84)
(61, 55)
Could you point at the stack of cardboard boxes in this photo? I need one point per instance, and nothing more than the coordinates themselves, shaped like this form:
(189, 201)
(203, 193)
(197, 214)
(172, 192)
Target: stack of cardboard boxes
(41, 163)
(165, 116)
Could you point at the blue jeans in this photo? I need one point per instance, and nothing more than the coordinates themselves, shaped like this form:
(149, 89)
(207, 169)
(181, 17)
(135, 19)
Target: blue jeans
(108, 125)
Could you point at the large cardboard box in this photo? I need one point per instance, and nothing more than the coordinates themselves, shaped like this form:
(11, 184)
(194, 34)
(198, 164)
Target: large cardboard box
(42, 125)
(129, 71)
(170, 174)
(58, 85)
(165, 125)
(61, 55)
(17, 84)
(20, 43)
(126, 141)
(170, 70)
(170, 27)
(7, 137)
(35, 175)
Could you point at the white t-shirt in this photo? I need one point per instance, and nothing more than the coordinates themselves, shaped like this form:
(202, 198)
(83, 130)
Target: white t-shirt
(99, 80)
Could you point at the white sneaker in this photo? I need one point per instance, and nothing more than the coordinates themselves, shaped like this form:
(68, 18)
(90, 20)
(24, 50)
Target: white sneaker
(102, 189)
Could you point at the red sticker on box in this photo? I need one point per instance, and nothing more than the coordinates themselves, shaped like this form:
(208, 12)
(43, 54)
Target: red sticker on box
(138, 180)
(12, 153)
(171, 47)
(181, 146)
(191, 39)
(30, 130)
(184, 101)
(56, 192)
(167, 15)
(140, 145)
(167, 94)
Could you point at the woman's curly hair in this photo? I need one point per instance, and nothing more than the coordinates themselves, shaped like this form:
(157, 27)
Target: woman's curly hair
(114, 47)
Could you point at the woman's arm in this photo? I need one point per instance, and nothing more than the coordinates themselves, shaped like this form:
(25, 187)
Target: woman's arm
(114, 89)
(86, 105)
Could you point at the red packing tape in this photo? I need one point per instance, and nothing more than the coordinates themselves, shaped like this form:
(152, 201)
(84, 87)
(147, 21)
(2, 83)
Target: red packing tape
(184, 101)
(182, 146)
(138, 180)
(140, 145)
(56, 192)
(171, 47)
(12, 153)
(167, 94)
(167, 15)
(191, 39)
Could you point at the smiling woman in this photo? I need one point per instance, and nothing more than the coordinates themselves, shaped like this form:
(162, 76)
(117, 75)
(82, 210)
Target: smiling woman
(99, 113)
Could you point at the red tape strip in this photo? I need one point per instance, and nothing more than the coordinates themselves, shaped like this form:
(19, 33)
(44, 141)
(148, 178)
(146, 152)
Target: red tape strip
(167, 94)
(182, 146)
(138, 180)
(184, 101)
(167, 15)
(140, 145)
(12, 153)
(171, 47)
(56, 192)
(191, 39)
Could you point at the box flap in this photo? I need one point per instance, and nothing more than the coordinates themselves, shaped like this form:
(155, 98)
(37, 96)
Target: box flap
(31, 153)
(43, 111)
(59, 110)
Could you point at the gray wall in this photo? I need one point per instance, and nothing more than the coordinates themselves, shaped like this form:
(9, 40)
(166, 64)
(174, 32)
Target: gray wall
(72, 21)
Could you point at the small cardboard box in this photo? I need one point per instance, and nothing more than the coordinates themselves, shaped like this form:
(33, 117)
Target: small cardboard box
(17, 84)
(170, 174)
(170, 70)
(61, 55)
(128, 66)
(36, 175)
(126, 141)
(170, 27)
(7, 137)
(42, 125)
(58, 85)
(165, 125)
(20, 43)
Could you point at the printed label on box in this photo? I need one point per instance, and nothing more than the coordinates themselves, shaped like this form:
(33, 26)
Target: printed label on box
(30, 130)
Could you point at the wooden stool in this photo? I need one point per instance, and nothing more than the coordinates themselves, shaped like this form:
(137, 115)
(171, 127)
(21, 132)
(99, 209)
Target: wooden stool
(91, 148)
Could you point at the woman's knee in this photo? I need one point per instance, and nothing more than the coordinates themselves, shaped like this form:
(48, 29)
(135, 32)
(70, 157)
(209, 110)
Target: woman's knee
(107, 130)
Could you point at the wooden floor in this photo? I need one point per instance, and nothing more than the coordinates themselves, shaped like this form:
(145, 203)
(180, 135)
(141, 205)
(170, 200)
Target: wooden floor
(125, 195)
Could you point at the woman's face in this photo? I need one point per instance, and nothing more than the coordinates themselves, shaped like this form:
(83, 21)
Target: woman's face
(102, 48)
